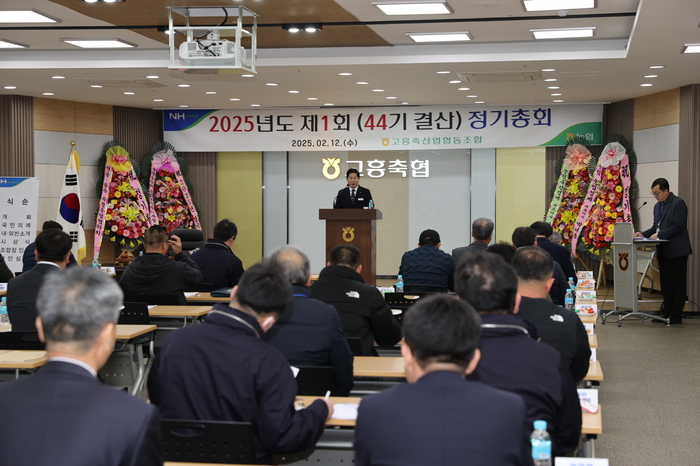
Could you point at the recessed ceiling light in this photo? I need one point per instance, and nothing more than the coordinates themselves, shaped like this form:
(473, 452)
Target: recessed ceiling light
(649, 76)
(479, 102)
(549, 5)
(464, 89)
(691, 48)
(646, 85)
(472, 96)
(656, 67)
(555, 95)
(440, 36)
(443, 72)
(312, 98)
(563, 33)
(293, 29)
(549, 80)
(361, 82)
(404, 103)
(271, 84)
(99, 43)
(329, 105)
(558, 101)
(8, 44)
(157, 100)
(293, 92)
(553, 87)
(183, 106)
(183, 85)
(210, 93)
(377, 90)
(254, 105)
(439, 7)
(391, 98)
(455, 81)
(26, 16)
(344, 74)
(235, 100)
(247, 76)
(129, 93)
(58, 77)
(47, 93)
(10, 87)
(152, 76)
(96, 86)
(548, 70)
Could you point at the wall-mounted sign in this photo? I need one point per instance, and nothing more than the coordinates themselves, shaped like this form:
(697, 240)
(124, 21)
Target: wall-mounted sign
(19, 207)
(377, 168)
(380, 128)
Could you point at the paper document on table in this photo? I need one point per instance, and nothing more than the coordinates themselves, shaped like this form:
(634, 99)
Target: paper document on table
(21, 356)
(347, 411)
(295, 371)
(191, 294)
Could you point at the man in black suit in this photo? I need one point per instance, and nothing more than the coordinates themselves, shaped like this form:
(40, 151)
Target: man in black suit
(220, 267)
(482, 231)
(353, 196)
(559, 253)
(309, 333)
(438, 418)
(29, 257)
(63, 415)
(52, 253)
(670, 223)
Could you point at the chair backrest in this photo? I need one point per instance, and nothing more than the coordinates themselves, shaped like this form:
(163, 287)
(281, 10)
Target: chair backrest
(314, 381)
(355, 344)
(20, 341)
(164, 299)
(413, 288)
(205, 288)
(190, 238)
(208, 441)
(135, 314)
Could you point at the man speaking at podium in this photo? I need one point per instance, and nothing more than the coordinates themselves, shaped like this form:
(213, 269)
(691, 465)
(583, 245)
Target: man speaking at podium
(353, 196)
(670, 223)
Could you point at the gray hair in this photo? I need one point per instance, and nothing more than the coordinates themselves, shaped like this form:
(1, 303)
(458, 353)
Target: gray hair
(482, 228)
(294, 264)
(76, 303)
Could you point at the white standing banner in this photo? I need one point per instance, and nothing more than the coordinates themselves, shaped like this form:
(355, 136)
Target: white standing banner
(381, 128)
(19, 210)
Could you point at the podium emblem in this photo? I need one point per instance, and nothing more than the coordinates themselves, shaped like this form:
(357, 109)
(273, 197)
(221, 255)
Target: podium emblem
(328, 164)
(623, 261)
(348, 234)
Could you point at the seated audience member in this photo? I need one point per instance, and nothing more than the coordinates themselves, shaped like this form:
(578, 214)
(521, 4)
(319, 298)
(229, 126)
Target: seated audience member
(222, 370)
(309, 333)
(559, 253)
(437, 418)
(511, 359)
(503, 249)
(52, 252)
(63, 415)
(482, 230)
(558, 327)
(526, 236)
(363, 311)
(427, 264)
(28, 257)
(5, 273)
(153, 276)
(218, 264)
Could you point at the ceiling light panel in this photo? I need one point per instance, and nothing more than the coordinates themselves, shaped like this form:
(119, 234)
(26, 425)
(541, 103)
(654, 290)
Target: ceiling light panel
(440, 36)
(558, 5)
(563, 33)
(13, 16)
(8, 44)
(691, 48)
(414, 8)
(99, 43)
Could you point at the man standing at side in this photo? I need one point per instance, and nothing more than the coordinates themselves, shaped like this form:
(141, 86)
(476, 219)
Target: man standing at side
(363, 311)
(559, 253)
(153, 278)
(219, 265)
(309, 333)
(221, 370)
(427, 264)
(670, 223)
(437, 418)
(63, 415)
(558, 327)
(52, 252)
(482, 231)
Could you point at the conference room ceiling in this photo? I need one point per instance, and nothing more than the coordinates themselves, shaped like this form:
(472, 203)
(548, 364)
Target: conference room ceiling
(501, 65)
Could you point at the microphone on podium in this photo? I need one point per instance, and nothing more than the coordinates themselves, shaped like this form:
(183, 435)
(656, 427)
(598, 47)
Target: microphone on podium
(643, 204)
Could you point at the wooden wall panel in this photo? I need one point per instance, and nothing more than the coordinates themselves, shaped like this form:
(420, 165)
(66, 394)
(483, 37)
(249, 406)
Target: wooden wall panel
(618, 118)
(658, 109)
(93, 118)
(54, 115)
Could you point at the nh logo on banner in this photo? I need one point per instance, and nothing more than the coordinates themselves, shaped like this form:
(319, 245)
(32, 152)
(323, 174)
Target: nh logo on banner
(70, 212)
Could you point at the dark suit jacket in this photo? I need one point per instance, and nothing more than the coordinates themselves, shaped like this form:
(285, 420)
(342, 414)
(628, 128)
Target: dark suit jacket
(673, 227)
(29, 261)
(475, 246)
(560, 254)
(219, 265)
(362, 198)
(442, 420)
(21, 297)
(63, 416)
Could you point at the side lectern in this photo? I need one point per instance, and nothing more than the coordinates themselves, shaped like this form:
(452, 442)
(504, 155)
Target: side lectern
(358, 228)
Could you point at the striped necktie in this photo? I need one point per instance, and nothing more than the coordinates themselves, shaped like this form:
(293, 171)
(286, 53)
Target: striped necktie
(352, 196)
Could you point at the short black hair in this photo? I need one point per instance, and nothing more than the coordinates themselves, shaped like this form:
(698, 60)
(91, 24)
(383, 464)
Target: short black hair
(345, 254)
(524, 236)
(265, 289)
(482, 228)
(49, 224)
(225, 230)
(662, 183)
(503, 249)
(442, 328)
(155, 236)
(542, 229)
(350, 171)
(533, 264)
(52, 245)
(486, 282)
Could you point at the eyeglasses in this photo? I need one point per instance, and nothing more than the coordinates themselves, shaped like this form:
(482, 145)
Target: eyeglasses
(656, 193)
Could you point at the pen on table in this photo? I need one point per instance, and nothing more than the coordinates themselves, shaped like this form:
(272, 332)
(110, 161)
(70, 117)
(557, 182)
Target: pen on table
(328, 393)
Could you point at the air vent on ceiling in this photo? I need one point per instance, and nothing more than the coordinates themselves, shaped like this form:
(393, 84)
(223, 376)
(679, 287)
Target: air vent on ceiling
(123, 83)
(505, 77)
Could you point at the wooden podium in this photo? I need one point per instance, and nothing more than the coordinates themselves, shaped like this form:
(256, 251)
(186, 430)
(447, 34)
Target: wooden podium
(358, 228)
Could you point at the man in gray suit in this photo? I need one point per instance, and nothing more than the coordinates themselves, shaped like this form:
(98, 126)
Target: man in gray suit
(482, 231)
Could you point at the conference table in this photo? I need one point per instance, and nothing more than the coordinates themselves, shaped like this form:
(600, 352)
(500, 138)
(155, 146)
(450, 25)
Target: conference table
(187, 313)
(205, 298)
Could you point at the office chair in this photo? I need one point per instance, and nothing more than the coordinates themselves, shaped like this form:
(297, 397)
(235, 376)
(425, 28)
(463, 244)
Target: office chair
(207, 441)
(314, 381)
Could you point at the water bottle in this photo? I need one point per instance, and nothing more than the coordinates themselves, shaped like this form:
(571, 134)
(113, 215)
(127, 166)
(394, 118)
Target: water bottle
(95, 263)
(140, 253)
(569, 300)
(399, 285)
(541, 445)
(4, 318)
(371, 203)
(572, 285)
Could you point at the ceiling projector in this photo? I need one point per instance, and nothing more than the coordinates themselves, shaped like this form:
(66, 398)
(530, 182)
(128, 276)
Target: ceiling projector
(208, 52)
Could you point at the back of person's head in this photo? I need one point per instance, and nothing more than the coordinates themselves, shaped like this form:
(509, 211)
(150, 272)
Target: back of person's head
(264, 289)
(155, 236)
(486, 282)
(503, 249)
(542, 229)
(524, 236)
(347, 255)
(533, 264)
(53, 245)
(662, 183)
(443, 329)
(294, 264)
(556, 237)
(429, 237)
(49, 224)
(75, 304)
(482, 228)
(225, 230)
